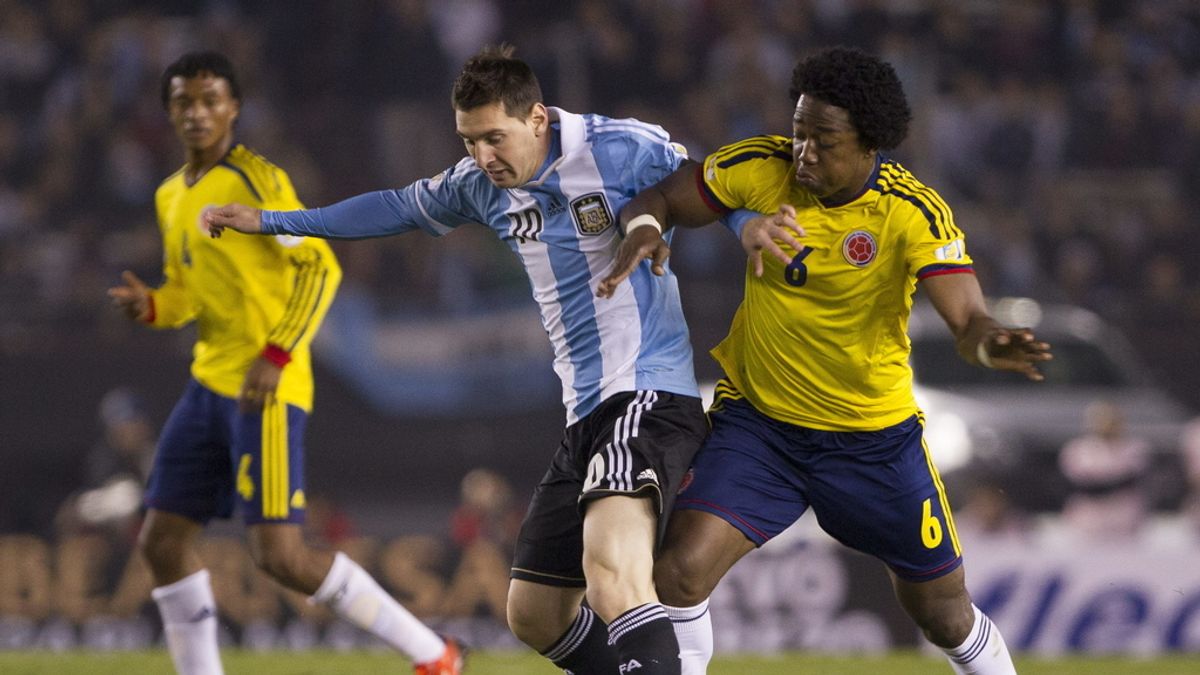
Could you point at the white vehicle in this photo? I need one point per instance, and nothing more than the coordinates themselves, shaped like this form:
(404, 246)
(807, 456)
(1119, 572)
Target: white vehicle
(1013, 428)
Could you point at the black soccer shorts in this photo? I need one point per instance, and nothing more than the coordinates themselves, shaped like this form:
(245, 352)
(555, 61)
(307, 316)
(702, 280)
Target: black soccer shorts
(634, 443)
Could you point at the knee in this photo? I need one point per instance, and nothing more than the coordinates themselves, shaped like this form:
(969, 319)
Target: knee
(536, 628)
(160, 549)
(679, 579)
(279, 562)
(947, 625)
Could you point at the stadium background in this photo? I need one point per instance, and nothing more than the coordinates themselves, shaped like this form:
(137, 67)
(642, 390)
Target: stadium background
(1065, 134)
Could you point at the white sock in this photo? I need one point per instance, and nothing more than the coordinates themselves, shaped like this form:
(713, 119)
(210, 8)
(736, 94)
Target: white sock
(983, 652)
(189, 616)
(693, 629)
(350, 592)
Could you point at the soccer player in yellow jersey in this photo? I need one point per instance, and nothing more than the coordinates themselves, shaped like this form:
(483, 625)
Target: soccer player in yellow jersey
(817, 406)
(236, 435)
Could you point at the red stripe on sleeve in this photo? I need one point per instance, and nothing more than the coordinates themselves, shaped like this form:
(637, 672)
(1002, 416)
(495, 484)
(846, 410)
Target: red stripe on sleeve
(940, 272)
(710, 200)
(276, 354)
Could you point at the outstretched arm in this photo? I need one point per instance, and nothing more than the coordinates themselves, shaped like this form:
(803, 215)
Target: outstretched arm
(374, 214)
(678, 200)
(979, 338)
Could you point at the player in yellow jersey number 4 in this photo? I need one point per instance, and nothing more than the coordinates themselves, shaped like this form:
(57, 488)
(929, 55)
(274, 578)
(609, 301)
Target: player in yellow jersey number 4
(236, 435)
(817, 408)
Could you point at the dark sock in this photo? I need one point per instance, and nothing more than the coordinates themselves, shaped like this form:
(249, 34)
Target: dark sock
(584, 648)
(645, 642)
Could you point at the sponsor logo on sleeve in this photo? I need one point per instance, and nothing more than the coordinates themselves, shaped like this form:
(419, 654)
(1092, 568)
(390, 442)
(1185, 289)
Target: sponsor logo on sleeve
(952, 251)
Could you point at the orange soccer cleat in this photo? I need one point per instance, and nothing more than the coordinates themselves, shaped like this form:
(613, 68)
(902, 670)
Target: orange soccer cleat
(449, 663)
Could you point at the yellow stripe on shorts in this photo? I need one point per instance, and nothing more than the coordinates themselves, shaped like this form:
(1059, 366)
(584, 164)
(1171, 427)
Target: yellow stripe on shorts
(275, 460)
(941, 490)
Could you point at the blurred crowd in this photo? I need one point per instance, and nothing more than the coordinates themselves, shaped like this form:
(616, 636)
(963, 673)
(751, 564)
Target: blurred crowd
(1065, 134)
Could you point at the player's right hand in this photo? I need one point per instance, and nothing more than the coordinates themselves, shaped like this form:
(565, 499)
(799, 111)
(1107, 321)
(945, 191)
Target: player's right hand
(133, 298)
(765, 233)
(642, 243)
(238, 217)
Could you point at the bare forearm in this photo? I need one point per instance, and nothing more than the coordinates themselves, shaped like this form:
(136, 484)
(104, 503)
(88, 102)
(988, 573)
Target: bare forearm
(647, 202)
(970, 335)
(675, 200)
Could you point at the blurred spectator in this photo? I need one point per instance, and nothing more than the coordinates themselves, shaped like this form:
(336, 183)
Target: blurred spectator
(326, 523)
(115, 471)
(486, 511)
(1189, 446)
(989, 513)
(1105, 468)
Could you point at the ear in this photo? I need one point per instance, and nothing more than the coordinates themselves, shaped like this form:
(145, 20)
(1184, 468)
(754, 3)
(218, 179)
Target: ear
(539, 118)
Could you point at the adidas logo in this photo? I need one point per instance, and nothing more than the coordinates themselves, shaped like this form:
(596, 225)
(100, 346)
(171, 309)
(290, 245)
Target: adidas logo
(648, 474)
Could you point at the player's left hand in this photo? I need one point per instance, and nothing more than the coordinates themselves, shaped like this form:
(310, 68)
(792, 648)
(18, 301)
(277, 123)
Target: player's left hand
(764, 233)
(260, 384)
(642, 243)
(1015, 349)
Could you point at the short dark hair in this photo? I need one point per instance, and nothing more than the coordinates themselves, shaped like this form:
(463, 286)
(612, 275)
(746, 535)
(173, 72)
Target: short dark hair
(864, 85)
(194, 63)
(495, 75)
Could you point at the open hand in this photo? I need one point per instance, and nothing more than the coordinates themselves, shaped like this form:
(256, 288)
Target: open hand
(641, 243)
(765, 232)
(1015, 349)
(133, 297)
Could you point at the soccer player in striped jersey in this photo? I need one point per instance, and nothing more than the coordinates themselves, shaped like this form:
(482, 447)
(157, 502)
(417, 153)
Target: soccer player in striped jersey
(236, 435)
(817, 406)
(550, 183)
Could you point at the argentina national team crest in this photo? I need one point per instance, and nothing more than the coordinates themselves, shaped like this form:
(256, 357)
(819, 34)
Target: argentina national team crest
(859, 248)
(592, 215)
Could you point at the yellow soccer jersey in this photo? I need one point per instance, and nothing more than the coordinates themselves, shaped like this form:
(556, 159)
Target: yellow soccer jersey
(823, 342)
(243, 291)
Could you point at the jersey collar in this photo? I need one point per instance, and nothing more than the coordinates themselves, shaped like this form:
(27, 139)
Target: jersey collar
(568, 135)
(872, 182)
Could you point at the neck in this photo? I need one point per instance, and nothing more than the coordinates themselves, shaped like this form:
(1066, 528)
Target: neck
(546, 141)
(858, 186)
(545, 144)
(199, 161)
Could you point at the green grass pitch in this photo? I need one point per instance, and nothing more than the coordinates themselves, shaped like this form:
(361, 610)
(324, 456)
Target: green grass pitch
(509, 663)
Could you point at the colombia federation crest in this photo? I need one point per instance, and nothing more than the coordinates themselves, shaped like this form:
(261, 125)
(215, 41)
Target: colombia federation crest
(859, 248)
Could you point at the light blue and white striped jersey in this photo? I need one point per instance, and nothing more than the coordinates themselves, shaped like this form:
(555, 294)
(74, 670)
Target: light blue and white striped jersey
(563, 226)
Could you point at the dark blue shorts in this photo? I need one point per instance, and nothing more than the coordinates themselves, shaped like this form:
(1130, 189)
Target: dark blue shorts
(876, 492)
(210, 456)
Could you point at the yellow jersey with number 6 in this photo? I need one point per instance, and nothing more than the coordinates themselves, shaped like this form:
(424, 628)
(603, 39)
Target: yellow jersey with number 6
(822, 342)
(243, 291)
